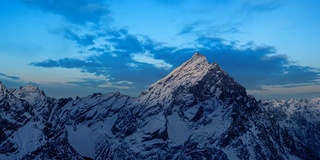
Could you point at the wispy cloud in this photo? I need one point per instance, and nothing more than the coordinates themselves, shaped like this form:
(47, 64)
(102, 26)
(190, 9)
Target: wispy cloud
(79, 11)
(227, 22)
(80, 40)
(66, 63)
(11, 81)
(208, 28)
(102, 83)
(306, 91)
(10, 77)
(148, 58)
(190, 28)
(261, 6)
(249, 9)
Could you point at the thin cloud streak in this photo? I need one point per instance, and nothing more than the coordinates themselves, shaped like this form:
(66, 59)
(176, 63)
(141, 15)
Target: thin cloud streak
(79, 12)
(10, 77)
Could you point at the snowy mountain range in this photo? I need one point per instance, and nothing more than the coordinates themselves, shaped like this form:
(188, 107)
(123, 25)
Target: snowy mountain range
(195, 112)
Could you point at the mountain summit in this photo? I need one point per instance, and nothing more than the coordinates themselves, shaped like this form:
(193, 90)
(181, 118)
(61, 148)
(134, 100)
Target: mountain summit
(194, 80)
(195, 112)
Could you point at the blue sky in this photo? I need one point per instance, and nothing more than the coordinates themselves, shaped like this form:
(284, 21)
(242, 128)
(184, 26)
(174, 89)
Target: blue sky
(78, 47)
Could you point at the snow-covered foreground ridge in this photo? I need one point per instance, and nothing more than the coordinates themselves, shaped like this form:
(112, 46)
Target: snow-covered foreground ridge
(196, 112)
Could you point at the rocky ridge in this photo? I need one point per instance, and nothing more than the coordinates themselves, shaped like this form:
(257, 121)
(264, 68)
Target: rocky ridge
(196, 112)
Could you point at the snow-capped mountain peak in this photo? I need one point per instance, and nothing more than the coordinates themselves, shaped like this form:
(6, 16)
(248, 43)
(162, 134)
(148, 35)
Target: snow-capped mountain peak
(30, 93)
(193, 79)
(187, 75)
(196, 112)
(189, 72)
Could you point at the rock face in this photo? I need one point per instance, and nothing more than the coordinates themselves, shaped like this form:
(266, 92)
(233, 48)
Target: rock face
(196, 112)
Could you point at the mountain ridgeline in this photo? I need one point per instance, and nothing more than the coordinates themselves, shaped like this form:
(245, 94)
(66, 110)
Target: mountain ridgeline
(195, 112)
